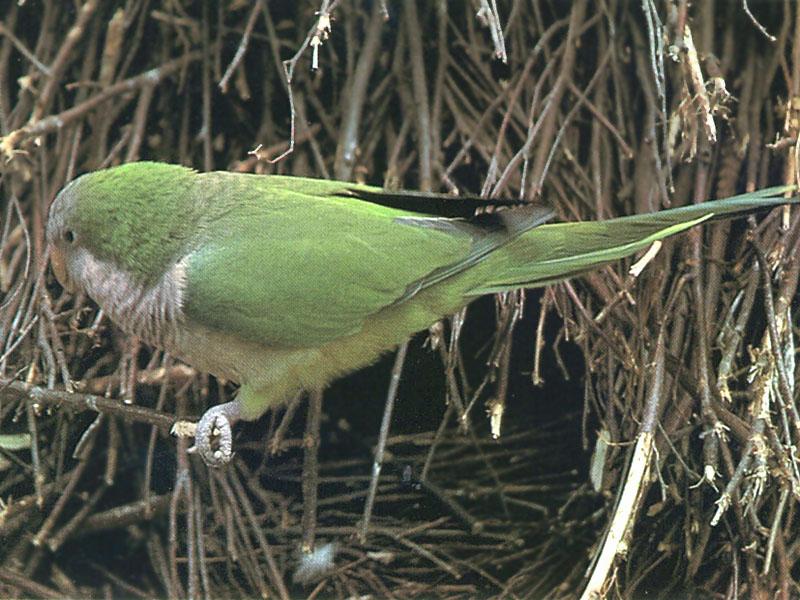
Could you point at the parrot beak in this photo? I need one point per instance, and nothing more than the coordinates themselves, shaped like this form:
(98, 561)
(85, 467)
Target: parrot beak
(60, 268)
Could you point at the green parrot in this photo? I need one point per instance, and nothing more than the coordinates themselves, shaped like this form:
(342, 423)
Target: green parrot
(283, 284)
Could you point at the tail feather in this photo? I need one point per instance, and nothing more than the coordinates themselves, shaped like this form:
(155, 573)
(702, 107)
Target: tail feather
(551, 253)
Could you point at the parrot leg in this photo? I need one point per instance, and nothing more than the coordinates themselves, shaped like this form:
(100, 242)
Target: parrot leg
(215, 426)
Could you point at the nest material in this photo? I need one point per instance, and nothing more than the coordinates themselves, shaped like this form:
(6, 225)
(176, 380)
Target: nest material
(600, 109)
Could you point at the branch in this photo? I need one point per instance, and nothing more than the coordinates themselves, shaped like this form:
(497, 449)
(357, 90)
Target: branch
(17, 390)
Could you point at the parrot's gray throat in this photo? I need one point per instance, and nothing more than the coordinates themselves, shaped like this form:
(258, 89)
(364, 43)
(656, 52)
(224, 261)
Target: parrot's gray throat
(152, 313)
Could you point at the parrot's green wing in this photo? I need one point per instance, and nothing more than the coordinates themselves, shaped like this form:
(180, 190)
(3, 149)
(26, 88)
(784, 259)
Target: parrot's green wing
(299, 262)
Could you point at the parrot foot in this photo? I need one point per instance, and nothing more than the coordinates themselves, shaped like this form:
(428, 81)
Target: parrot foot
(214, 429)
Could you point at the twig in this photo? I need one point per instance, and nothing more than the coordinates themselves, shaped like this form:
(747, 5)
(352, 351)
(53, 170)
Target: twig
(391, 395)
(489, 17)
(62, 57)
(24, 50)
(240, 51)
(274, 571)
(755, 22)
(617, 537)
(699, 87)
(347, 145)
(420, 91)
(311, 471)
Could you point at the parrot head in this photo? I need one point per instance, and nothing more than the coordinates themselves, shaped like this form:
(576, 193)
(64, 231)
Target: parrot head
(134, 219)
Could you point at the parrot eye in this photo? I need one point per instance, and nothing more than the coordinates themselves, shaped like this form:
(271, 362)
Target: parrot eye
(69, 236)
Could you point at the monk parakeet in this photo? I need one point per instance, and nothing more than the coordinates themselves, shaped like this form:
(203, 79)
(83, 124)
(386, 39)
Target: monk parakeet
(283, 283)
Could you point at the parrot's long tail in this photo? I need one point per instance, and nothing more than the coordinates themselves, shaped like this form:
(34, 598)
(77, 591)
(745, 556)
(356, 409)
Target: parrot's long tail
(551, 253)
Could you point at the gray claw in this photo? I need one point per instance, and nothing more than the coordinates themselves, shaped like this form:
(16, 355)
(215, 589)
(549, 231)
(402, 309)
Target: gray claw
(214, 429)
